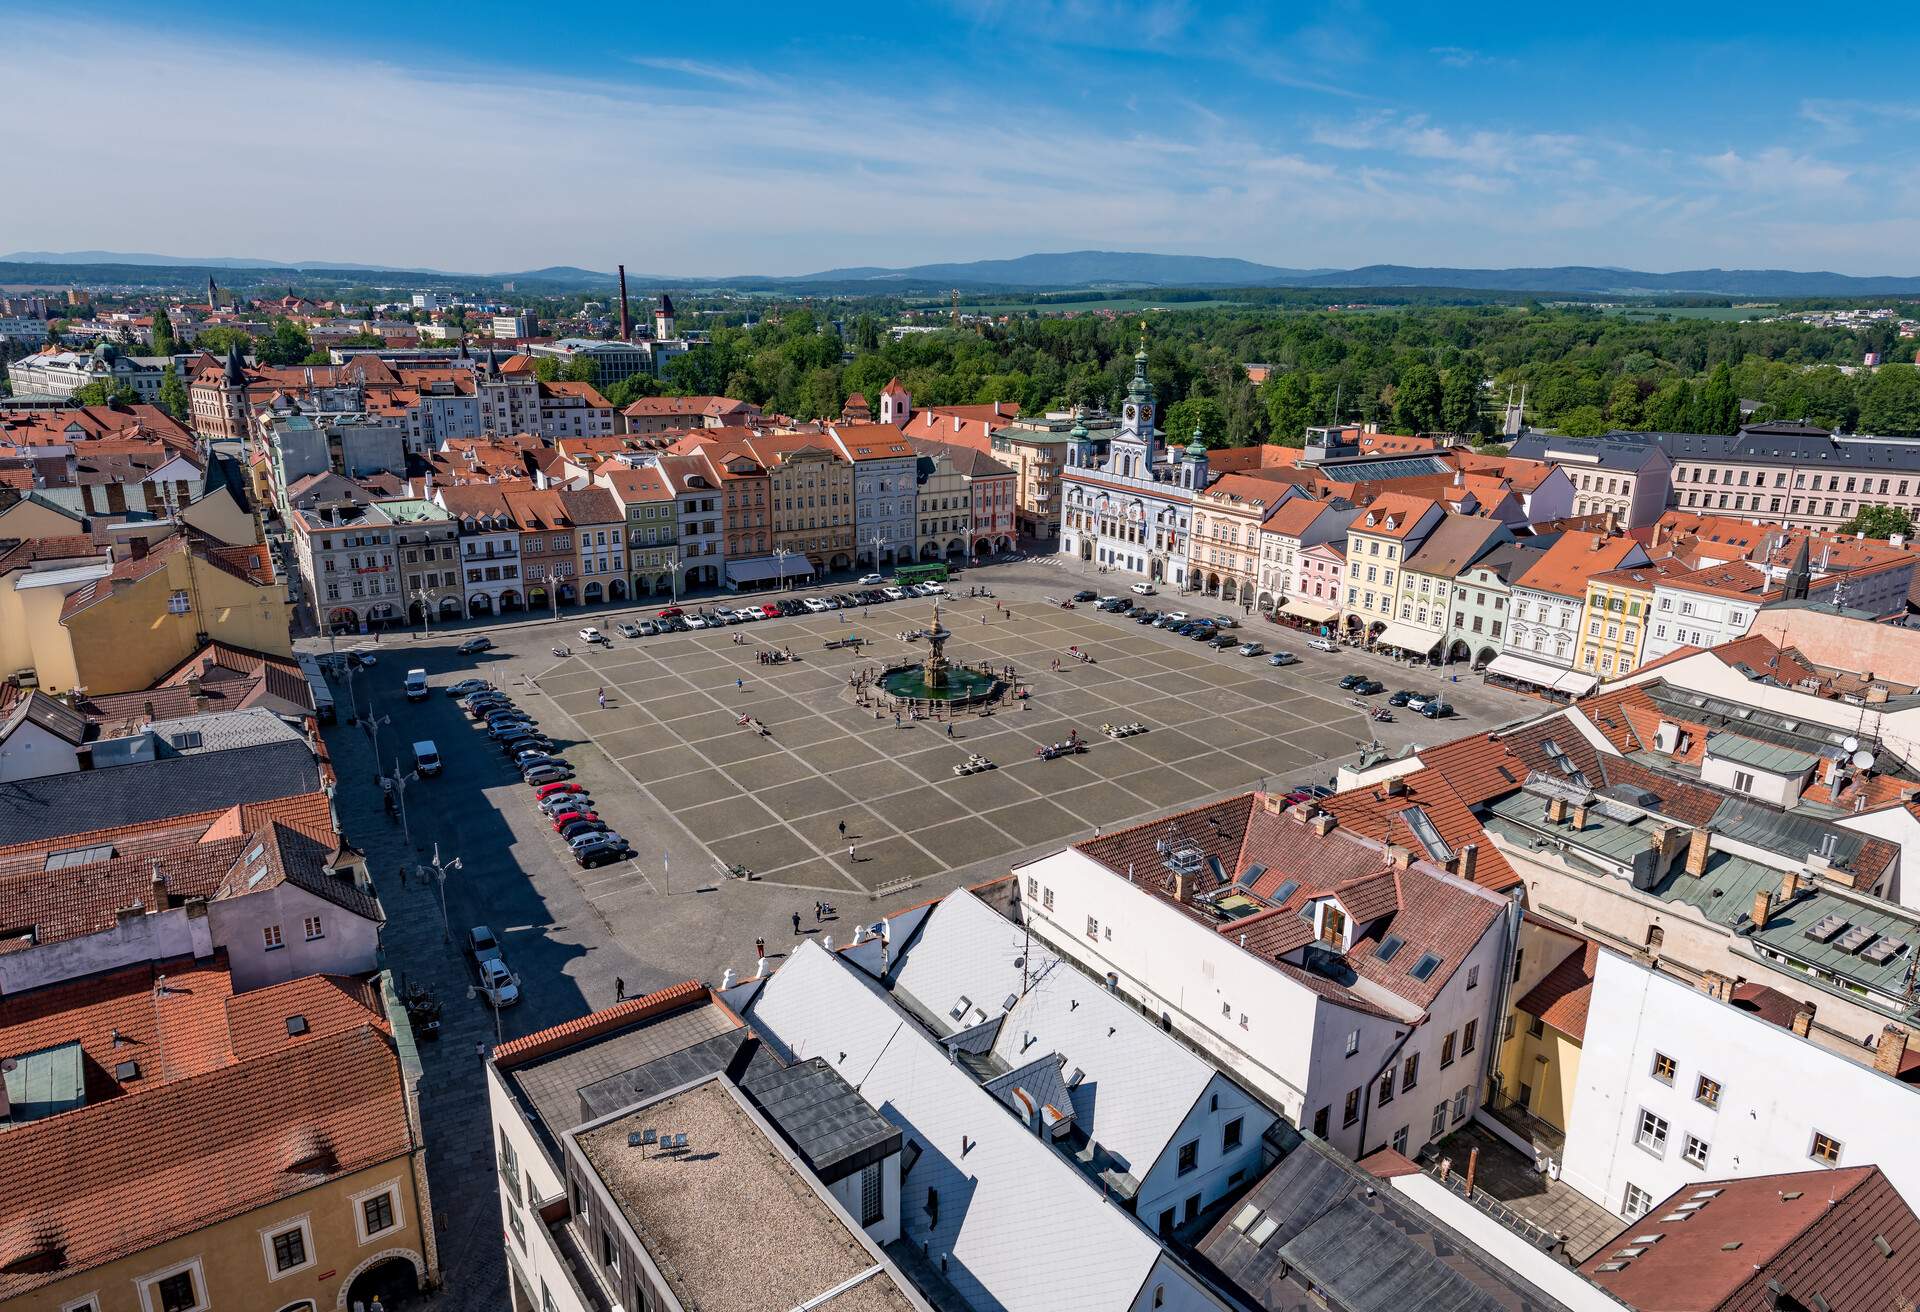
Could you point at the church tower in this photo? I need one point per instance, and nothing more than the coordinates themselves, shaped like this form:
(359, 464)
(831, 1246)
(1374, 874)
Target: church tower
(1136, 448)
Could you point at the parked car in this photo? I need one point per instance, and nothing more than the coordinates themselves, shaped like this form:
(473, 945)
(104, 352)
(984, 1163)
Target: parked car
(516, 748)
(1086, 594)
(1143, 616)
(1222, 641)
(473, 646)
(815, 605)
(1252, 649)
(560, 803)
(1369, 687)
(1283, 658)
(895, 593)
(1352, 680)
(528, 759)
(362, 660)
(1323, 644)
(566, 818)
(871, 580)
(1178, 617)
(648, 628)
(1226, 621)
(589, 855)
(467, 687)
(1435, 710)
(591, 634)
(627, 630)
(1142, 589)
(482, 945)
(555, 789)
(596, 836)
(1402, 697)
(415, 685)
(498, 985)
(547, 774)
(584, 825)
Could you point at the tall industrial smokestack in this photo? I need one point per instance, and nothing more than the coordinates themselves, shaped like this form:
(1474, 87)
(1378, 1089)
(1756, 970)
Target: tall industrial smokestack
(626, 321)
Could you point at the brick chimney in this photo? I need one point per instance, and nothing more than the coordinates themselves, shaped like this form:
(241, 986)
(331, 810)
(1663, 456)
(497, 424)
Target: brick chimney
(1272, 803)
(1323, 824)
(1697, 850)
(1789, 886)
(1717, 986)
(1303, 812)
(1180, 886)
(1397, 786)
(1762, 908)
(198, 693)
(1580, 816)
(1466, 861)
(1556, 810)
(1891, 1051)
(157, 892)
(137, 549)
(1803, 1020)
(1399, 857)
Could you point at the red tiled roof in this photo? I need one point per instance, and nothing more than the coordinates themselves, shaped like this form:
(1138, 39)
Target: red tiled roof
(1561, 998)
(1376, 813)
(116, 1177)
(1809, 1233)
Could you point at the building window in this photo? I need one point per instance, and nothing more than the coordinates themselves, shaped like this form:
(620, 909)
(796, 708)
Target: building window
(1351, 1112)
(1460, 1105)
(1652, 1134)
(1446, 1052)
(1663, 1068)
(1093, 928)
(1467, 1036)
(1189, 1161)
(1046, 898)
(1637, 1203)
(1353, 1042)
(1411, 1075)
(1230, 1136)
(1386, 1087)
(1707, 1092)
(1743, 781)
(314, 929)
(1439, 1126)
(177, 603)
(1825, 1149)
(271, 933)
(179, 1289)
(1473, 982)
(1695, 1151)
(289, 1250)
(872, 1208)
(1320, 1121)
(377, 1214)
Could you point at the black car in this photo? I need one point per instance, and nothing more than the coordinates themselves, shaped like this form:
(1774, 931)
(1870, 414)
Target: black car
(1086, 594)
(1202, 632)
(590, 855)
(1368, 687)
(1402, 697)
(1221, 641)
(574, 828)
(1145, 616)
(1352, 680)
(512, 747)
(1436, 709)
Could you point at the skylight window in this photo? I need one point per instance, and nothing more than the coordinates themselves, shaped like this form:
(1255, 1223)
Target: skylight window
(296, 1025)
(1423, 969)
(1245, 1217)
(1263, 1231)
(1389, 946)
(1285, 891)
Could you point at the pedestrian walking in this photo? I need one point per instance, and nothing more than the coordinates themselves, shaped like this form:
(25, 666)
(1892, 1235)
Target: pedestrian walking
(816, 912)
(949, 728)
(738, 684)
(603, 699)
(760, 949)
(796, 922)
(850, 855)
(619, 989)
(843, 829)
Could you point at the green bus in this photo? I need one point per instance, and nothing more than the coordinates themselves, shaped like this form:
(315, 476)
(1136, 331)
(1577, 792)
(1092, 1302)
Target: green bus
(932, 572)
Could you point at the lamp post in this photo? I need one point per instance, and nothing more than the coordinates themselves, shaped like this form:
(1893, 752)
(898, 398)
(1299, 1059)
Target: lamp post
(400, 781)
(473, 991)
(780, 555)
(373, 723)
(427, 599)
(440, 878)
(878, 539)
(673, 575)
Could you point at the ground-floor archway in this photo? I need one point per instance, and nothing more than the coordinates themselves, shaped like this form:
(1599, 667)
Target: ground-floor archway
(956, 550)
(567, 594)
(1157, 569)
(929, 551)
(593, 594)
(1484, 657)
(840, 561)
(537, 598)
(981, 548)
(415, 612)
(393, 1276)
(510, 600)
(1086, 549)
(343, 620)
(480, 604)
(617, 590)
(449, 608)
(1355, 626)
(1266, 601)
(1458, 651)
(1229, 590)
(703, 576)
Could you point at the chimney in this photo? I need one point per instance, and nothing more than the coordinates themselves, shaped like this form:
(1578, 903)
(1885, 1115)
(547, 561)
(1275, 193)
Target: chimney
(1465, 861)
(1717, 986)
(626, 318)
(195, 691)
(157, 892)
(1580, 817)
(729, 979)
(137, 548)
(1657, 529)
(1272, 803)
(1473, 1168)
(1803, 1020)
(1305, 811)
(1556, 810)
(1762, 908)
(1323, 824)
(1399, 857)
(1397, 786)
(1891, 1052)
(1697, 849)
(1613, 524)
(1180, 886)
(1789, 886)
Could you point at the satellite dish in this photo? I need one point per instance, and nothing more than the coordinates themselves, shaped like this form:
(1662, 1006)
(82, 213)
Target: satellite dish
(1850, 743)
(1863, 760)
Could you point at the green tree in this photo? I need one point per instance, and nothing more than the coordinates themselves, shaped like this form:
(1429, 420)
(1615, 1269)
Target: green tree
(1416, 400)
(1200, 414)
(1582, 421)
(173, 396)
(1719, 406)
(1670, 409)
(363, 339)
(98, 393)
(1460, 400)
(215, 341)
(580, 369)
(546, 369)
(1880, 522)
(1623, 404)
(1288, 399)
(286, 344)
(1890, 401)
(164, 342)
(630, 389)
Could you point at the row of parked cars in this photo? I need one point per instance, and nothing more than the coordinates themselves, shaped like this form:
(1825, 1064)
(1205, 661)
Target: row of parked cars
(1421, 703)
(678, 619)
(563, 803)
(1217, 631)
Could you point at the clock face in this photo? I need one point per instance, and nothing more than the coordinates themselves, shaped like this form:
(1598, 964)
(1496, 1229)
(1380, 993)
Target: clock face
(1131, 412)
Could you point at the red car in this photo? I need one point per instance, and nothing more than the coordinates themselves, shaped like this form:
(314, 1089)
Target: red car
(566, 818)
(564, 786)
(671, 612)
(770, 610)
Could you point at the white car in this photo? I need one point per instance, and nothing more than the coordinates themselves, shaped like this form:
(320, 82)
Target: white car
(934, 588)
(746, 615)
(895, 594)
(871, 580)
(498, 985)
(816, 605)
(1143, 589)
(1178, 617)
(694, 621)
(591, 634)
(1323, 644)
(648, 628)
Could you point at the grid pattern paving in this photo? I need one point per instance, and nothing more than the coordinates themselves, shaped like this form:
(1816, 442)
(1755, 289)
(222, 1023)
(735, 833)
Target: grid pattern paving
(774, 803)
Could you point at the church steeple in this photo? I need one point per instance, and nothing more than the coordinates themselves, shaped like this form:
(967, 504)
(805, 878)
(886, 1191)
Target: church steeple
(1799, 576)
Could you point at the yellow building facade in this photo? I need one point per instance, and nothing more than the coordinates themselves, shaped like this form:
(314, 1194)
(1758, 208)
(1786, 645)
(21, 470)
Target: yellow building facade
(1540, 1056)
(1613, 619)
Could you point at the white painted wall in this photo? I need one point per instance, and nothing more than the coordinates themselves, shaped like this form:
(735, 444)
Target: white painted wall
(1216, 1170)
(177, 932)
(350, 945)
(540, 1180)
(31, 752)
(1764, 1123)
(1899, 826)
(847, 1192)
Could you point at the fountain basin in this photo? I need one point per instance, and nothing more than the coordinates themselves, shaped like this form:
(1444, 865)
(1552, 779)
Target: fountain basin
(961, 684)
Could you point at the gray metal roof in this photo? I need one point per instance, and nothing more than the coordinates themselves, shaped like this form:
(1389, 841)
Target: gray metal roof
(1364, 1247)
(1761, 756)
(1380, 468)
(828, 1123)
(56, 804)
(1619, 452)
(1764, 445)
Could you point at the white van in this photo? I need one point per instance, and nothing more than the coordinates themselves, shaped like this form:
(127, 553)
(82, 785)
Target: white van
(416, 685)
(426, 757)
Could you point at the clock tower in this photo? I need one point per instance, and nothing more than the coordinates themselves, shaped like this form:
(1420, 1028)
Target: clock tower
(1136, 448)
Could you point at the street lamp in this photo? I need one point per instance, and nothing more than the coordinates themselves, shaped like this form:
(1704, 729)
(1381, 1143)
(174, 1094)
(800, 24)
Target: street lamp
(372, 724)
(400, 780)
(440, 878)
(780, 555)
(878, 539)
(673, 575)
(427, 600)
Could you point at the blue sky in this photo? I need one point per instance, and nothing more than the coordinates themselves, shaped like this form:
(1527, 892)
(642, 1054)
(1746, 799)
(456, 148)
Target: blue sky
(746, 137)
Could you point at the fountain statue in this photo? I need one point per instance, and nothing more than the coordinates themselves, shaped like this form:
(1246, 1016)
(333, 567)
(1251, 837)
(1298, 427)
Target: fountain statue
(935, 668)
(937, 679)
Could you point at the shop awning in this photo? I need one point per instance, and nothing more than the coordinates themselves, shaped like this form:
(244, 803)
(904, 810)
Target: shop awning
(1309, 610)
(758, 569)
(1407, 637)
(1577, 684)
(1539, 673)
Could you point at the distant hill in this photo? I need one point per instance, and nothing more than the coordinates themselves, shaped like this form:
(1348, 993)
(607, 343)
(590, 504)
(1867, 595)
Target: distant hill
(1083, 268)
(140, 259)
